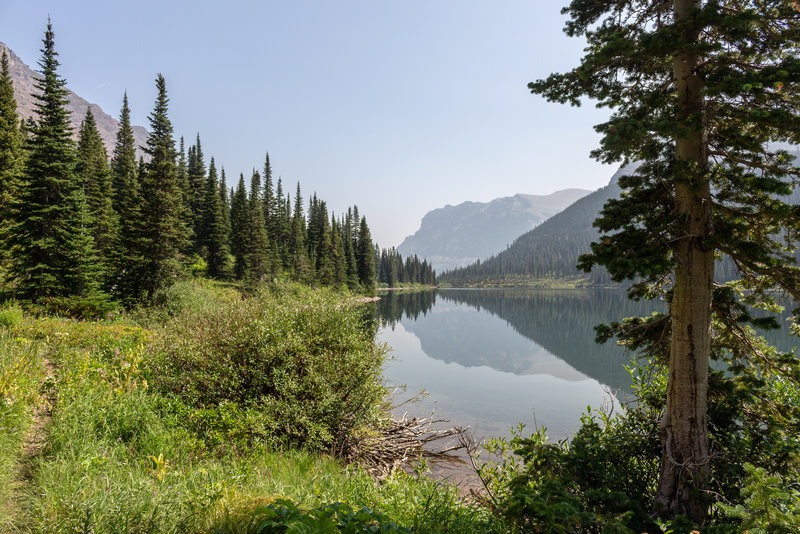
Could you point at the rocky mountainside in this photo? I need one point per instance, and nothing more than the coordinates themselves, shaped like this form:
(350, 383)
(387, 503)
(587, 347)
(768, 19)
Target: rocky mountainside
(23, 78)
(459, 235)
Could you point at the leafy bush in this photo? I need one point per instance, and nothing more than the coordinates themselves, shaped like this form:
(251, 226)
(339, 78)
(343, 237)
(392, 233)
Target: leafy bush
(301, 358)
(94, 307)
(10, 315)
(604, 480)
(284, 516)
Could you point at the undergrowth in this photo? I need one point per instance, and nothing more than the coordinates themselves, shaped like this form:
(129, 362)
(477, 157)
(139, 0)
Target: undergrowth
(139, 441)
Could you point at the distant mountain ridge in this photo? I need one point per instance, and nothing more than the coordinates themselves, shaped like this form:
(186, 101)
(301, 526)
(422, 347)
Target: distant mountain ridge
(459, 235)
(550, 250)
(23, 78)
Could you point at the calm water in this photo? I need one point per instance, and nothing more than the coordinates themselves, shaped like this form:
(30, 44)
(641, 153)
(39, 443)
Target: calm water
(494, 358)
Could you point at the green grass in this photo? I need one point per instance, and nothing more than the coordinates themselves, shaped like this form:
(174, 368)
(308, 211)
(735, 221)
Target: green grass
(124, 454)
(21, 377)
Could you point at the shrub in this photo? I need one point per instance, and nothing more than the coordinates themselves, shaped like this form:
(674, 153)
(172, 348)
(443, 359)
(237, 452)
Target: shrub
(10, 316)
(302, 358)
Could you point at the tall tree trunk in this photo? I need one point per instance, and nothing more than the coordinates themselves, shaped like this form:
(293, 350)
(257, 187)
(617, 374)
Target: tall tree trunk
(684, 427)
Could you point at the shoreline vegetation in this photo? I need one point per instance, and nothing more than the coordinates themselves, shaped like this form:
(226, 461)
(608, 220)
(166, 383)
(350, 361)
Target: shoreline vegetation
(212, 412)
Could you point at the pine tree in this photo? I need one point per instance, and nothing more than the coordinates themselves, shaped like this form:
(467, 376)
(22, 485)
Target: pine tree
(226, 205)
(270, 202)
(337, 254)
(214, 227)
(187, 216)
(240, 219)
(128, 206)
(257, 247)
(297, 241)
(164, 233)
(350, 265)
(282, 226)
(51, 246)
(95, 176)
(196, 176)
(703, 93)
(365, 258)
(11, 157)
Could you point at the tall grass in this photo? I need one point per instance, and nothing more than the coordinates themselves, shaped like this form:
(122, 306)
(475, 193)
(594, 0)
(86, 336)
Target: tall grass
(132, 445)
(21, 377)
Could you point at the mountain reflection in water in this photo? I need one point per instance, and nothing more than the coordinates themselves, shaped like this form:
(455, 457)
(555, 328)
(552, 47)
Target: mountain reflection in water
(494, 357)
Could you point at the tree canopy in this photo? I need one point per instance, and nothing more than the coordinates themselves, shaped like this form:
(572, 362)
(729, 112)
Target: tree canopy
(705, 95)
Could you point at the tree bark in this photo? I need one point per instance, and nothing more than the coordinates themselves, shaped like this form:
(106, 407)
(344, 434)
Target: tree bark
(684, 427)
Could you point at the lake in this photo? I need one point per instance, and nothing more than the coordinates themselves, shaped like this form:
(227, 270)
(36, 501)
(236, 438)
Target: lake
(493, 358)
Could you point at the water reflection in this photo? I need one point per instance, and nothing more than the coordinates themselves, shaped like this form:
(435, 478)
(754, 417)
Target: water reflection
(492, 358)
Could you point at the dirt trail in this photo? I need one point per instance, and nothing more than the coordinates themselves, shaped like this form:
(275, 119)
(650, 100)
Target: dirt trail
(35, 440)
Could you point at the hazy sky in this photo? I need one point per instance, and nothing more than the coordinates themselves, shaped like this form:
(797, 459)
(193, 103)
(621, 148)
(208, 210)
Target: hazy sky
(397, 106)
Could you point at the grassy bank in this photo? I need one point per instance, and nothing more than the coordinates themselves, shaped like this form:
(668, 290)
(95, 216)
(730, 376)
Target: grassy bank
(209, 413)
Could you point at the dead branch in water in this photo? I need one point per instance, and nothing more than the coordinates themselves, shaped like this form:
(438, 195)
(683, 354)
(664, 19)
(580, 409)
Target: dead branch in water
(403, 441)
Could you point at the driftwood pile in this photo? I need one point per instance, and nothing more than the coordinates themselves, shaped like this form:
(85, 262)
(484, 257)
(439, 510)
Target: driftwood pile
(406, 440)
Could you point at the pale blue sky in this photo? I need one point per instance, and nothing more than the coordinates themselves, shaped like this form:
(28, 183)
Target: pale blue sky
(397, 106)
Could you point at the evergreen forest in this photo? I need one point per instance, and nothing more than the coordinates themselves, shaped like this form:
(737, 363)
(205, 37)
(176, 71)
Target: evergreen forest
(83, 230)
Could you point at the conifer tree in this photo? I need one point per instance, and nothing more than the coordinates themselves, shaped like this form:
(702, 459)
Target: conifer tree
(164, 233)
(186, 191)
(215, 230)
(270, 202)
(94, 175)
(51, 246)
(282, 226)
(196, 176)
(337, 254)
(365, 258)
(11, 156)
(128, 205)
(258, 266)
(297, 240)
(226, 206)
(350, 265)
(703, 94)
(240, 219)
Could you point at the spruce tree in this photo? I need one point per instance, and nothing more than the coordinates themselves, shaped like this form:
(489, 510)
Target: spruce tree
(49, 234)
(337, 254)
(215, 230)
(258, 267)
(226, 206)
(11, 157)
(350, 264)
(164, 233)
(240, 220)
(196, 176)
(365, 258)
(282, 226)
(703, 94)
(95, 176)
(186, 191)
(297, 241)
(128, 206)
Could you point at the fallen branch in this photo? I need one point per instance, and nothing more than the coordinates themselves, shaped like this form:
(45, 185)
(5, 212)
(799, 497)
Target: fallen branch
(403, 441)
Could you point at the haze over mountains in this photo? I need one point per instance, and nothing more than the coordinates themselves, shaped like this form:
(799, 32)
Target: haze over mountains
(550, 250)
(23, 78)
(459, 235)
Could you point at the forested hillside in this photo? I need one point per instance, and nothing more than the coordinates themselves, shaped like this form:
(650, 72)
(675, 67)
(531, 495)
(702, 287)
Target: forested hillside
(455, 236)
(548, 251)
(551, 250)
(80, 233)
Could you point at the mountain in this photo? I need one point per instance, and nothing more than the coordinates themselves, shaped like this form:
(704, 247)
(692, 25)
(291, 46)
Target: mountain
(23, 78)
(459, 235)
(550, 250)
